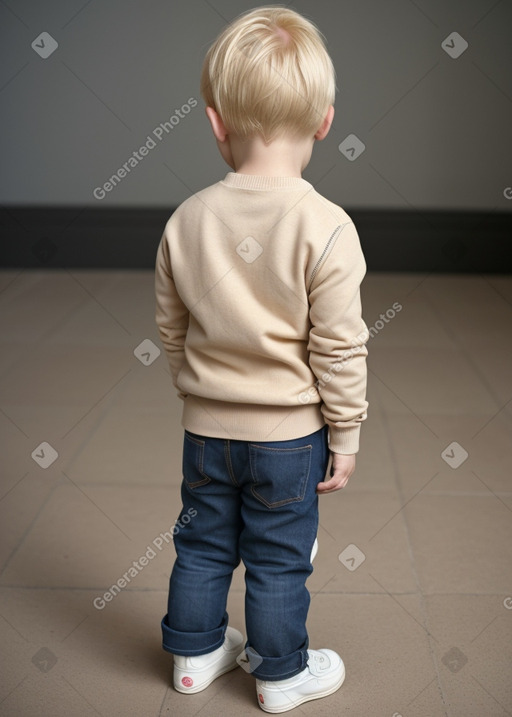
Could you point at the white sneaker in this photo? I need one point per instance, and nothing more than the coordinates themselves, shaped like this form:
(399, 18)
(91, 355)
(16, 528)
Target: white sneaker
(314, 550)
(323, 675)
(193, 674)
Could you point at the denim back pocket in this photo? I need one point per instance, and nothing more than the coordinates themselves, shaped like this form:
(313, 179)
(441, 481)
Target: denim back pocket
(279, 475)
(193, 461)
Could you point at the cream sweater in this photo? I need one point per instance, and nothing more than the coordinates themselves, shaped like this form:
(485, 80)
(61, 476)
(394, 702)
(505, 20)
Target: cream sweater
(257, 283)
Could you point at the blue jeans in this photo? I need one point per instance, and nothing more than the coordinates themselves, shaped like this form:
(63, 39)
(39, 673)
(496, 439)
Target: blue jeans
(254, 502)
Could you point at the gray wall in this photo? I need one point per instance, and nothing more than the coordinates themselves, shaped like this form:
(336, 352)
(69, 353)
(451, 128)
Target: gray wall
(436, 129)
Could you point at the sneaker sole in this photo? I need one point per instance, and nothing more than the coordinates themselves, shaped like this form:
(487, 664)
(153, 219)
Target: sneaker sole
(306, 698)
(204, 685)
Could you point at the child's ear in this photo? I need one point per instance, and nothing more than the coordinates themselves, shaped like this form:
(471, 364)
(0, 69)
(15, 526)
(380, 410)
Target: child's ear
(222, 136)
(217, 124)
(326, 124)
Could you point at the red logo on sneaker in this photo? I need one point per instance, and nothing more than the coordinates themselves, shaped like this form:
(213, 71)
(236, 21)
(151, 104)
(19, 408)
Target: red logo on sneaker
(260, 697)
(187, 681)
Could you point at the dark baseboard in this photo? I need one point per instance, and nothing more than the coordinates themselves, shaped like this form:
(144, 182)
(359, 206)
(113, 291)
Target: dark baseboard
(392, 240)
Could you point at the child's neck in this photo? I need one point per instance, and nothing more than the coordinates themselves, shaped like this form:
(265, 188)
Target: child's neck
(283, 157)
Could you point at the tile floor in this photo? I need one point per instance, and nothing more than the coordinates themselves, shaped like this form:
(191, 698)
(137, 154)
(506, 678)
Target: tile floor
(424, 623)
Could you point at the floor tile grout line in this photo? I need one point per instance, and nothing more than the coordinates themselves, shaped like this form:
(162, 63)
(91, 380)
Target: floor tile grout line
(65, 317)
(96, 506)
(492, 696)
(488, 280)
(241, 591)
(468, 356)
(328, 592)
(95, 298)
(412, 565)
(410, 410)
(44, 338)
(414, 571)
(13, 279)
(82, 696)
(29, 527)
(84, 299)
(13, 689)
(167, 690)
(101, 405)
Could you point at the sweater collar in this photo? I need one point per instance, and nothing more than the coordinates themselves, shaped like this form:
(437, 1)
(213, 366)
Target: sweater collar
(253, 181)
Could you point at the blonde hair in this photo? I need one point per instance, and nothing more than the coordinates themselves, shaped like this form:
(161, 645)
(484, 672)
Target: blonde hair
(269, 73)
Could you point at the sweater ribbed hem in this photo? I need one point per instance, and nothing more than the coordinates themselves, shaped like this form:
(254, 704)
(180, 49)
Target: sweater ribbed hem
(255, 422)
(253, 181)
(344, 440)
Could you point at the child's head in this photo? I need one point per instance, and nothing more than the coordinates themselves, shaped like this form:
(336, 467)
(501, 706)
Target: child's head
(269, 73)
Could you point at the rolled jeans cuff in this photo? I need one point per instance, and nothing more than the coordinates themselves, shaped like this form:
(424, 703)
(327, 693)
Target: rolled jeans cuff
(189, 644)
(272, 669)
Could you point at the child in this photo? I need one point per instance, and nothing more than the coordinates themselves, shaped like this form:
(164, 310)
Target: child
(257, 285)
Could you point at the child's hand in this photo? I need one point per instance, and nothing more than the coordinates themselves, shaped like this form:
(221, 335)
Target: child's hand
(342, 468)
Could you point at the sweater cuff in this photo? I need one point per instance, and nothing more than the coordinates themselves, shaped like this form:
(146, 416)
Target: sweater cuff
(344, 440)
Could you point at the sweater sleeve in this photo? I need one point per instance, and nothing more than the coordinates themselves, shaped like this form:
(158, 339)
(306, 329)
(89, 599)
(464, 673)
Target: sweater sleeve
(337, 338)
(171, 315)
